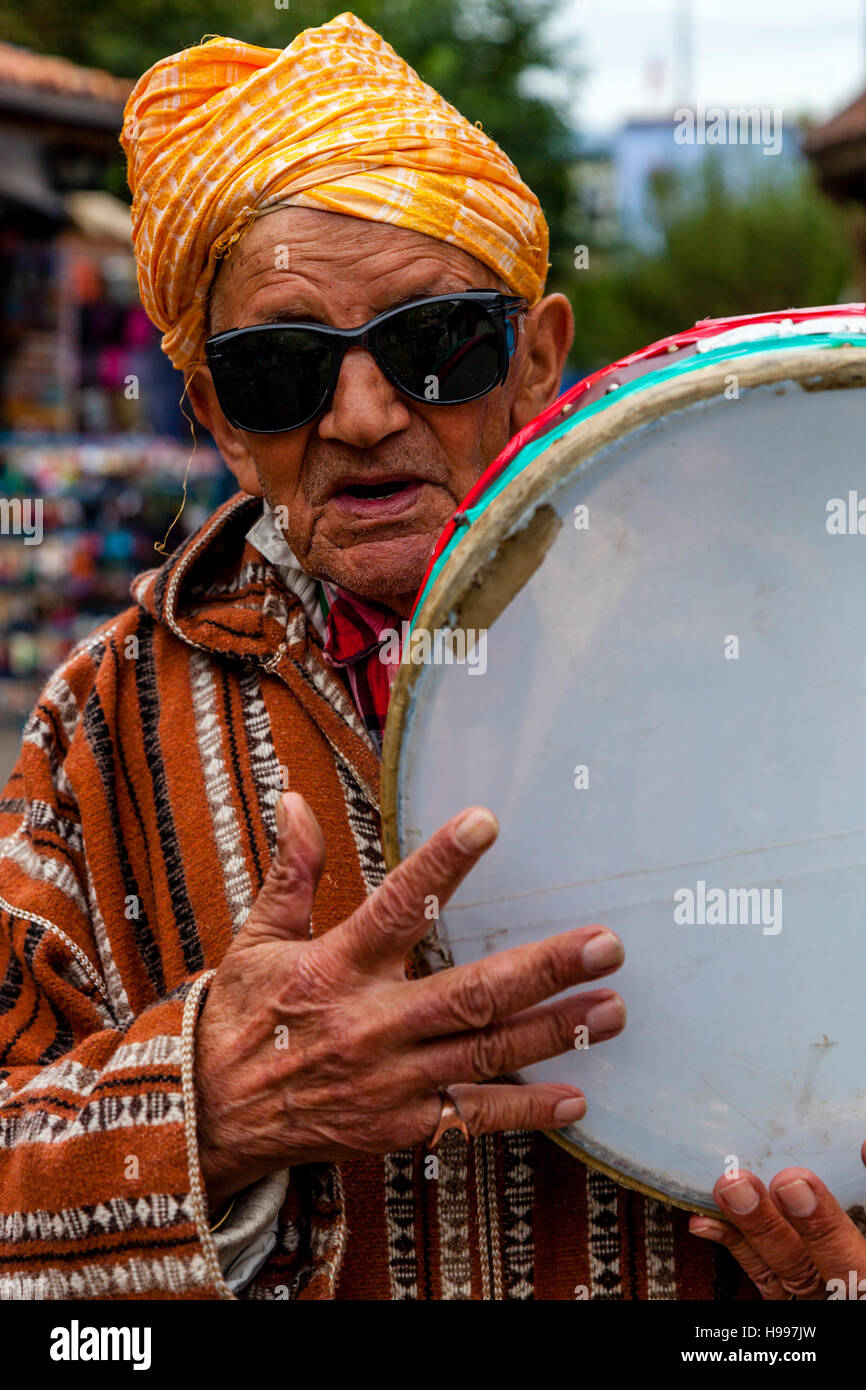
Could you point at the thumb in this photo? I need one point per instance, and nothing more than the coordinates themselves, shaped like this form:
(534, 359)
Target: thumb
(285, 902)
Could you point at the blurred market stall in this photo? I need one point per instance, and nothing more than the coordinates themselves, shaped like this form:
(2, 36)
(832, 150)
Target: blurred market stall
(90, 428)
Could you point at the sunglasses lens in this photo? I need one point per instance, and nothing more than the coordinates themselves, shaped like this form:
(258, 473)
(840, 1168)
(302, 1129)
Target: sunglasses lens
(447, 351)
(277, 377)
(271, 380)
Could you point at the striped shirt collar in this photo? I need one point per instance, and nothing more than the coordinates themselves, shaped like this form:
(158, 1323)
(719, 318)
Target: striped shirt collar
(353, 631)
(267, 537)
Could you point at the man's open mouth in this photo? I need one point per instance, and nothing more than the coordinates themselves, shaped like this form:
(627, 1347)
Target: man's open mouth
(379, 499)
(377, 489)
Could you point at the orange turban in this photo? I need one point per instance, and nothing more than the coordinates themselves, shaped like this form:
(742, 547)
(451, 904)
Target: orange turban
(224, 131)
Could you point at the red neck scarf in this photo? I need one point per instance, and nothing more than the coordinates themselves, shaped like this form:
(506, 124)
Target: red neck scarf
(355, 631)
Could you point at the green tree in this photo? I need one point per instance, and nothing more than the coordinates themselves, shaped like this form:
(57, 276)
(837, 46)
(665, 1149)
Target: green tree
(774, 244)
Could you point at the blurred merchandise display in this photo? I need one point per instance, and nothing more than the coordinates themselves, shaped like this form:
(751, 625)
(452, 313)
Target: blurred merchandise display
(78, 354)
(93, 445)
(104, 504)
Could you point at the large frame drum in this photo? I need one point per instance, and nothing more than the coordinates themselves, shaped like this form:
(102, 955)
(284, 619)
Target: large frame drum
(667, 713)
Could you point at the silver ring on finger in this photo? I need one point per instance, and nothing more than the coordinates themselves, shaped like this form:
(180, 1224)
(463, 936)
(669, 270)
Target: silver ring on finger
(450, 1117)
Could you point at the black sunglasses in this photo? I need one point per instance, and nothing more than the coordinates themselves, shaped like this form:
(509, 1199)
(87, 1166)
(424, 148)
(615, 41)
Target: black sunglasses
(446, 350)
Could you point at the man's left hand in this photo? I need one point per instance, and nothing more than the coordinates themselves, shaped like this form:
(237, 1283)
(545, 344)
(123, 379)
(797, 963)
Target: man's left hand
(792, 1239)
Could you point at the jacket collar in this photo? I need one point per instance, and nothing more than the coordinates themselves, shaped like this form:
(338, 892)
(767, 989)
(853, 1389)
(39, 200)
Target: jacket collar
(267, 537)
(218, 593)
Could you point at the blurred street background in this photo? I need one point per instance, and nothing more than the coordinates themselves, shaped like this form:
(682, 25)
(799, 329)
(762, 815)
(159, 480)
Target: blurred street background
(610, 109)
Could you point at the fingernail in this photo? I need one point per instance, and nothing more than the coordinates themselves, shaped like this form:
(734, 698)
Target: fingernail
(741, 1197)
(602, 952)
(476, 831)
(798, 1197)
(607, 1017)
(708, 1230)
(567, 1111)
(280, 812)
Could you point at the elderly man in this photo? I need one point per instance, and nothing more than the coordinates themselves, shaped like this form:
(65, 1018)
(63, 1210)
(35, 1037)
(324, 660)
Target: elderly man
(218, 1078)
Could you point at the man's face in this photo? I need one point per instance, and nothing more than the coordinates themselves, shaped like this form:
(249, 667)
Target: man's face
(342, 271)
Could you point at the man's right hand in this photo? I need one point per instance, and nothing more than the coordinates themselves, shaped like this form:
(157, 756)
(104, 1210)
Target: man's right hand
(317, 1050)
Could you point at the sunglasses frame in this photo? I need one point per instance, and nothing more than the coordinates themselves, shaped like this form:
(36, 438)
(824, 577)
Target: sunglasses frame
(501, 308)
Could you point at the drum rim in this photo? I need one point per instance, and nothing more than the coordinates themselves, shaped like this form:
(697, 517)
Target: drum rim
(846, 368)
(626, 1180)
(572, 408)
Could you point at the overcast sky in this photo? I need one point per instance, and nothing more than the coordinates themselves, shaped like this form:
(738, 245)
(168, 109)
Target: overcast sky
(800, 55)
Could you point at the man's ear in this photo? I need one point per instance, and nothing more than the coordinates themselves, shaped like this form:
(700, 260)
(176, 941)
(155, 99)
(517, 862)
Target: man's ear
(549, 334)
(230, 442)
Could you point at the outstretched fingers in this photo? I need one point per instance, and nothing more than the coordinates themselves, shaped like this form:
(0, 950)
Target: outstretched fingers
(285, 903)
(573, 1023)
(395, 918)
(492, 989)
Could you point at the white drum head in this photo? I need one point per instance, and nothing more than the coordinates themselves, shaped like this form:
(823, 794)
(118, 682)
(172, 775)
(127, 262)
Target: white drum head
(700, 650)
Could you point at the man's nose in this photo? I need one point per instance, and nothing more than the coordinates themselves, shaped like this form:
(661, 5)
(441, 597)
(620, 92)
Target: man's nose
(365, 407)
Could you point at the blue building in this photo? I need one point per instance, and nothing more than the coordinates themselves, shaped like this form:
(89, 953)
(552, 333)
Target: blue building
(749, 145)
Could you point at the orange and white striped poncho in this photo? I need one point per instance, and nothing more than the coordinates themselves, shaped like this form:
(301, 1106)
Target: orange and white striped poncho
(223, 132)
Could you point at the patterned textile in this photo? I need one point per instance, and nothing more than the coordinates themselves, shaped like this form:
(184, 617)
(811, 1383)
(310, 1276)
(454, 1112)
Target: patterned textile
(245, 1242)
(135, 832)
(267, 537)
(224, 131)
(354, 633)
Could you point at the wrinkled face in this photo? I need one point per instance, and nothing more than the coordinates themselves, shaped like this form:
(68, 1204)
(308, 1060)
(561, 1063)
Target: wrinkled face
(420, 458)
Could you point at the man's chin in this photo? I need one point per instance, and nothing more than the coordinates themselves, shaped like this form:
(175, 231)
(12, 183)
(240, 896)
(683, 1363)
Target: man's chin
(381, 570)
